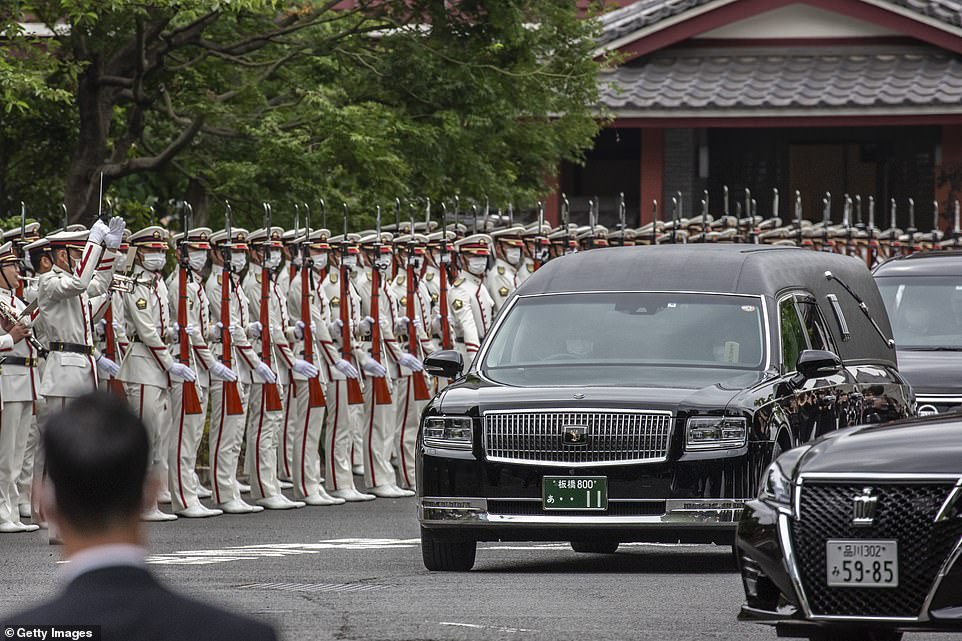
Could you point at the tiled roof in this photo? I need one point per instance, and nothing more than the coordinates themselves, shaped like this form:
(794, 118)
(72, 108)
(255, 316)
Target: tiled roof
(634, 17)
(712, 82)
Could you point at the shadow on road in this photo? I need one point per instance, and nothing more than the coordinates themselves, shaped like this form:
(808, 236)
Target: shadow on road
(631, 561)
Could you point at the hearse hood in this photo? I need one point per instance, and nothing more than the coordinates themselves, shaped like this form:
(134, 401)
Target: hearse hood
(477, 394)
(932, 372)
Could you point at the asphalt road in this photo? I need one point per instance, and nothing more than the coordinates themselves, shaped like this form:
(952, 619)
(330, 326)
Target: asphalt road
(355, 572)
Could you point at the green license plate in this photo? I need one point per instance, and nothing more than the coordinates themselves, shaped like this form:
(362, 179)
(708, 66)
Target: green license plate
(574, 492)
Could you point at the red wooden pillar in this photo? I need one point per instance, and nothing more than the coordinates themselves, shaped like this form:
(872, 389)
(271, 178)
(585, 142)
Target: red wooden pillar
(652, 171)
(552, 202)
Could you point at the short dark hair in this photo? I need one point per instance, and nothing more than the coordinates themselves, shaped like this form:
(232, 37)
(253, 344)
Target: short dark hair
(97, 454)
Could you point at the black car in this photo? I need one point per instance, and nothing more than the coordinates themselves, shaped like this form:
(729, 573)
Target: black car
(923, 295)
(859, 534)
(638, 393)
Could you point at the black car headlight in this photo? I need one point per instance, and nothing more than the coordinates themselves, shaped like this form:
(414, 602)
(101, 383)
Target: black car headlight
(776, 487)
(716, 433)
(449, 432)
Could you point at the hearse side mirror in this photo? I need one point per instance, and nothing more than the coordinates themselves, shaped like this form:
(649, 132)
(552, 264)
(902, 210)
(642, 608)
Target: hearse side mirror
(817, 363)
(444, 364)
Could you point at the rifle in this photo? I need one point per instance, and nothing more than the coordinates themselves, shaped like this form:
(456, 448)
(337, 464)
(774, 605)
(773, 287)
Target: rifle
(315, 396)
(272, 397)
(872, 253)
(232, 400)
(18, 247)
(110, 340)
(443, 282)
(539, 257)
(910, 230)
(654, 223)
(382, 393)
(417, 378)
(355, 396)
(190, 399)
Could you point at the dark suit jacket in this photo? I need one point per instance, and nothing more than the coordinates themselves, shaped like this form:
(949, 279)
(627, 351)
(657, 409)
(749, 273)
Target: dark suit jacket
(131, 605)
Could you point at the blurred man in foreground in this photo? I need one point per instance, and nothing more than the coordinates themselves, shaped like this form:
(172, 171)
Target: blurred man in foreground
(97, 455)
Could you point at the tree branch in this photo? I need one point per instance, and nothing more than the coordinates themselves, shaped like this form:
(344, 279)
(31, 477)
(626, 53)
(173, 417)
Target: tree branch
(136, 165)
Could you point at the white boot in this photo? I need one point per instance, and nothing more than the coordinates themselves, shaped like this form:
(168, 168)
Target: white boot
(279, 502)
(155, 515)
(239, 507)
(388, 491)
(352, 495)
(199, 512)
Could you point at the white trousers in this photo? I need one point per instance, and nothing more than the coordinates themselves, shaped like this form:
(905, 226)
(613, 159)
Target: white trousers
(25, 479)
(226, 436)
(305, 431)
(340, 425)
(406, 434)
(285, 441)
(263, 428)
(151, 405)
(380, 421)
(14, 427)
(187, 430)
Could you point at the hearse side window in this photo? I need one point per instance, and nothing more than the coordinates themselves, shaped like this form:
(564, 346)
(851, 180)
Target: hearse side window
(815, 327)
(792, 331)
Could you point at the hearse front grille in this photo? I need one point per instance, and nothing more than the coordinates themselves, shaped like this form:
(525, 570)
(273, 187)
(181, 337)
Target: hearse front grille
(604, 437)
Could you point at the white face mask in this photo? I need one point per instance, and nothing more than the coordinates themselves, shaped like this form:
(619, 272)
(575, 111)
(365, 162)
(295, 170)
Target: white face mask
(154, 262)
(513, 255)
(238, 262)
(319, 261)
(274, 259)
(477, 265)
(350, 261)
(198, 260)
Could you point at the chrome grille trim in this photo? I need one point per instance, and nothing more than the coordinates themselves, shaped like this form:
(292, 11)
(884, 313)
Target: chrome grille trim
(615, 437)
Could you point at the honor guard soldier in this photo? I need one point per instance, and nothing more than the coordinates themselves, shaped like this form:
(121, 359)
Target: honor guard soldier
(72, 267)
(265, 416)
(114, 297)
(563, 240)
(305, 422)
(188, 427)
(228, 413)
(435, 257)
(503, 279)
(149, 369)
(470, 305)
(622, 238)
(27, 290)
(412, 390)
(379, 305)
(345, 397)
(592, 237)
(292, 259)
(18, 384)
(536, 241)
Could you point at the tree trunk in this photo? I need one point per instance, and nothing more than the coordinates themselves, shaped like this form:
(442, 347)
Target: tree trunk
(82, 189)
(197, 197)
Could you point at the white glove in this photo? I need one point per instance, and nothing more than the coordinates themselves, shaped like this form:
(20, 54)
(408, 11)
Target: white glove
(366, 324)
(374, 368)
(107, 366)
(299, 329)
(265, 373)
(101, 329)
(173, 333)
(115, 232)
(182, 371)
(402, 321)
(418, 325)
(224, 373)
(216, 333)
(411, 362)
(305, 369)
(254, 329)
(189, 330)
(334, 327)
(346, 368)
(98, 232)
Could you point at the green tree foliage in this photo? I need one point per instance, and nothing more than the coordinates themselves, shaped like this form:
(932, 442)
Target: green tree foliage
(290, 102)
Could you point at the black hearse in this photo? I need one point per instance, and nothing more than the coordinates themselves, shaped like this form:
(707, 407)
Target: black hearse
(923, 295)
(638, 394)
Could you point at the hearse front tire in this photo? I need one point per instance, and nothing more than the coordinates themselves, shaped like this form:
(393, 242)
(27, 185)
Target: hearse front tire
(442, 554)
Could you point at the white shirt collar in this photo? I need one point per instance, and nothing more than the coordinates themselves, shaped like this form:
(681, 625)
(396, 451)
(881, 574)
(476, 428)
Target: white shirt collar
(102, 556)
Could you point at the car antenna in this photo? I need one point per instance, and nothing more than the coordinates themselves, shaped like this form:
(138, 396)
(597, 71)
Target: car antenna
(798, 214)
(889, 342)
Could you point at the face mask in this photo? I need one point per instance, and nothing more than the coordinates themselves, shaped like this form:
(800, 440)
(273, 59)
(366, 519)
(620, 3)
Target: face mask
(512, 255)
(350, 261)
(477, 265)
(154, 262)
(445, 258)
(238, 262)
(385, 262)
(297, 260)
(319, 261)
(198, 260)
(274, 259)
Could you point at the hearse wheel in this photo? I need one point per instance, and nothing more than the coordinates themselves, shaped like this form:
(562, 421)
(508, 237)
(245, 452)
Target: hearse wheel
(447, 555)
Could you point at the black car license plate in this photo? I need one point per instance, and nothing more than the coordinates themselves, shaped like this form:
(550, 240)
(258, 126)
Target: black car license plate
(574, 492)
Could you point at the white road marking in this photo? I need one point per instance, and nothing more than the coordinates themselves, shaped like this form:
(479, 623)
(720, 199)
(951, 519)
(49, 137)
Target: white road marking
(475, 626)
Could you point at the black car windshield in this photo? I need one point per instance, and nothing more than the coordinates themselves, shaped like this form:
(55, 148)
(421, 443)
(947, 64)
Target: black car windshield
(926, 311)
(626, 339)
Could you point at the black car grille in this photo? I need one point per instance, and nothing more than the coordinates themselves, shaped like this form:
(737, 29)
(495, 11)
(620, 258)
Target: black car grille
(905, 513)
(615, 508)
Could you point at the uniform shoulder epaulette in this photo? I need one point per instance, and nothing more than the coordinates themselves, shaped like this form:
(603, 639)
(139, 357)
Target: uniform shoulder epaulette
(457, 283)
(220, 279)
(333, 277)
(429, 276)
(257, 277)
(370, 276)
(501, 269)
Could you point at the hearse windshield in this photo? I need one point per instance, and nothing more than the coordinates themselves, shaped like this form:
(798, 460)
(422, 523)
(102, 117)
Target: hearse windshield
(627, 339)
(926, 311)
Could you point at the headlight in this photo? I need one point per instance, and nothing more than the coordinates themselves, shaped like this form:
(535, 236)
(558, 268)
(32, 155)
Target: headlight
(449, 432)
(776, 487)
(716, 433)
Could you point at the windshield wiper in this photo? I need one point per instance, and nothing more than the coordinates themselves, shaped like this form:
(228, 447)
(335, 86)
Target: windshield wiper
(932, 348)
(890, 342)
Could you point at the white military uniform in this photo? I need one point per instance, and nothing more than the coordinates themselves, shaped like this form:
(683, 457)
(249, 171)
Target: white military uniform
(471, 313)
(19, 383)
